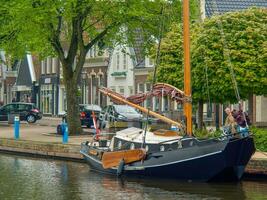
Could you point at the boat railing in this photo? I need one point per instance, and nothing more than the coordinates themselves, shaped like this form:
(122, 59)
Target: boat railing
(222, 137)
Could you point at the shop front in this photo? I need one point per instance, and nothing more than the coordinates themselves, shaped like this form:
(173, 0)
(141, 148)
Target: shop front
(49, 95)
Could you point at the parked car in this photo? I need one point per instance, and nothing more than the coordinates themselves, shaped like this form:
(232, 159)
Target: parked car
(86, 111)
(26, 111)
(124, 113)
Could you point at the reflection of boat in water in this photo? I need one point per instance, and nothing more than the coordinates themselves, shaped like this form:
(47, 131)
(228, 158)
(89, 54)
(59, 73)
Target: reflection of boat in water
(164, 153)
(154, 188)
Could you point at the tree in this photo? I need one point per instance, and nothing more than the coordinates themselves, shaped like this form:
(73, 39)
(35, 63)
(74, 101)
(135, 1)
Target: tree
(70, 28)
(170, 67)
(233, 40)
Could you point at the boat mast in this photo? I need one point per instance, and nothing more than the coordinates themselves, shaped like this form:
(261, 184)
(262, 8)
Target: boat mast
(187, 70)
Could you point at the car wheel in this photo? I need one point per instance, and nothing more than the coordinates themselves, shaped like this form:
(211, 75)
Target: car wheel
(31, 119)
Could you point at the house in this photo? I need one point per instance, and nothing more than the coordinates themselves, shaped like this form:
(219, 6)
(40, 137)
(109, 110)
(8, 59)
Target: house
(24, 87)
(51, 95)
(8, 76)
(52, 92)
(257, 104)
(213, 7)
(3, 69)
(121, 70)
(94, 75)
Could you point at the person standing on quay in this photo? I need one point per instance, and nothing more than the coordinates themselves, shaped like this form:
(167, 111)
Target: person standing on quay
(230, 121)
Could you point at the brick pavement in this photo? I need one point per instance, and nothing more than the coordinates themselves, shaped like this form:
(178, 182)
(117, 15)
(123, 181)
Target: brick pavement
(40, 133)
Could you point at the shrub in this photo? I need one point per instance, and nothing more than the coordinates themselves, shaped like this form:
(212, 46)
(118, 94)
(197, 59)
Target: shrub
(260, 137)
(204, 133)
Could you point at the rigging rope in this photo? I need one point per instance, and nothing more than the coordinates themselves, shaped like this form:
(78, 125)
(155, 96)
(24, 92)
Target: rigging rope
(228, 57)
(155, 71)
(207, 83)
(227, 51)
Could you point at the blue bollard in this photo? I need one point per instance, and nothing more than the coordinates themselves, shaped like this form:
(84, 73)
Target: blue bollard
(65, 131)
(16, 127)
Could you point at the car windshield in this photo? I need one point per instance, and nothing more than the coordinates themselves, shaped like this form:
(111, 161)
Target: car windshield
(91, 107)
(125, 109)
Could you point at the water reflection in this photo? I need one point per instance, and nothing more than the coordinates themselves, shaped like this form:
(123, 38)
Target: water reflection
(26, 178)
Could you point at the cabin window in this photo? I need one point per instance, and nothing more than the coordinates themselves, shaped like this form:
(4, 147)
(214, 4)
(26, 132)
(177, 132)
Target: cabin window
(132, 146)
(191, 143)
(162, 148)
(179, 144)
(119, 145)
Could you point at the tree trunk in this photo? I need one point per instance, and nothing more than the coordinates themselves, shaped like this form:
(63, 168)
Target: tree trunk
(73, 114)
(217, 116)
(251, 108)
(200, 114)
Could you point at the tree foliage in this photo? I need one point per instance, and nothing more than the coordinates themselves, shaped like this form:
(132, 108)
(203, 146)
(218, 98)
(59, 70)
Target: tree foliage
(241, 35)
(235, 41)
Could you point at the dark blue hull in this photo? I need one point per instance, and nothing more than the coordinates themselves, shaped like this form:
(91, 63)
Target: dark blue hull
(204, 161)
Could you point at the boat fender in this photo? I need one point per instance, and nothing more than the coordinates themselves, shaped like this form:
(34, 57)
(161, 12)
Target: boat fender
(120, 167)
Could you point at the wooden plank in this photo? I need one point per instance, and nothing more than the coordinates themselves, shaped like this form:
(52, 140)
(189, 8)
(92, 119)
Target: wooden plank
(166, 133)
(112, 159)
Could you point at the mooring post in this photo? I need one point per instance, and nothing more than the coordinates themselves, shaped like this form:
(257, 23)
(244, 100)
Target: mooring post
(65, 132)
(16, 127)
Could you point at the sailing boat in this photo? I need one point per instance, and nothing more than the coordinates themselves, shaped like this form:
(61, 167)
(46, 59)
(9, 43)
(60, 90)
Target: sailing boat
(165, 153)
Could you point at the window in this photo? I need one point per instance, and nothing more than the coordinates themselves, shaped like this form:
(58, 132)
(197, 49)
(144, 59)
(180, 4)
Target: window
(148, 87)
(54, 65)
(141, 87)
(101, 80)
(23, 107)
(48, 65)
(43, 67)
(122, 90)
(118, 61)
(150, 61)
(10, 108)
(113, 88)
(130, 90)
(124, 61)
(94, 90)
(95, 51)
(132, 146)
(161, 148)
(166, 103)
(46, 98)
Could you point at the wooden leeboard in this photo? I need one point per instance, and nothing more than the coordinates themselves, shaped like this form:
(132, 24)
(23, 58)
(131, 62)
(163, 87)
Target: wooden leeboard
(112, 159)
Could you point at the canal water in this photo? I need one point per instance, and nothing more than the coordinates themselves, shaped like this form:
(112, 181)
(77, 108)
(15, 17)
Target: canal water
(27, 178)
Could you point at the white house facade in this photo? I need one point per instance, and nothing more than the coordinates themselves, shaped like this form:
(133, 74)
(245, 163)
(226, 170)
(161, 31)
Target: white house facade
(120, 74)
